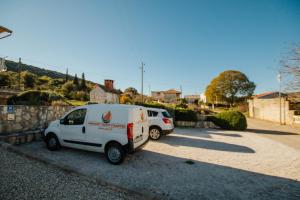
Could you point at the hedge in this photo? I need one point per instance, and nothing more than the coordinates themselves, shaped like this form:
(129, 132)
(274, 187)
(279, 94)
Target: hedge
(185, 115)
(230, 120)
(180, 114)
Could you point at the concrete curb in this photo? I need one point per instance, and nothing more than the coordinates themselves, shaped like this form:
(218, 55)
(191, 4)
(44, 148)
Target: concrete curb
(70, 170)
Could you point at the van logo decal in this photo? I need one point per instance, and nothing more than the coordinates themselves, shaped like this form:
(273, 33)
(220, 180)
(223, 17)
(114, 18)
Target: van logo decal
(106, 117)
(142, 116)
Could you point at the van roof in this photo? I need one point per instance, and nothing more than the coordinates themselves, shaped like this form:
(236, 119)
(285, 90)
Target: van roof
(110, 105)
(156, 109)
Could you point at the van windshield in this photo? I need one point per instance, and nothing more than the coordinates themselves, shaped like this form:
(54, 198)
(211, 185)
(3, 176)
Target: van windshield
(166, 114)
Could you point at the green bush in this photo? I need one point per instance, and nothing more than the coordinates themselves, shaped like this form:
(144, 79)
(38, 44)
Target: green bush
(178, 113)
(35, 97)
(230, 120)
(185, 115)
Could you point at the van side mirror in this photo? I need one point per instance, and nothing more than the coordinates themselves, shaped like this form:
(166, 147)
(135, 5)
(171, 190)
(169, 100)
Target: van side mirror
(62, 121)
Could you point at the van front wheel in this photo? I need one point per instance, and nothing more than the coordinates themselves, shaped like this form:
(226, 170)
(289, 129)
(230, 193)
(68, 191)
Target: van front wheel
(52, 142)
(115, 153)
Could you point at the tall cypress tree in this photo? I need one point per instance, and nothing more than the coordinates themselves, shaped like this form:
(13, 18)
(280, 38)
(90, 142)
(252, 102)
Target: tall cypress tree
(67, 75)
(82, 82)
(75, 81)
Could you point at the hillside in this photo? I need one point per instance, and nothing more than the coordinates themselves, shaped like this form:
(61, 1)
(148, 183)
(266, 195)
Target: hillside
(37, 83)
(13, 66)
(47, 83)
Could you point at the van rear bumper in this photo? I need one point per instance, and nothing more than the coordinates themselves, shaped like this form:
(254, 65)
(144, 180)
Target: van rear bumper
(130, 149)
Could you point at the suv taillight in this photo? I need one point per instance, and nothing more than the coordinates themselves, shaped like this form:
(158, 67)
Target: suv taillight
(130, 131)
(166, 121)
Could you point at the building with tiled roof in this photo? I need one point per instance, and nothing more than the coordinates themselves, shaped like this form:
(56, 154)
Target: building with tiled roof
(168, 96)
(105, 93)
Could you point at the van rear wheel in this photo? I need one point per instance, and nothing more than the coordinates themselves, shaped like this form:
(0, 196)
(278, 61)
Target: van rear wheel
(154, 133)
(115, 153)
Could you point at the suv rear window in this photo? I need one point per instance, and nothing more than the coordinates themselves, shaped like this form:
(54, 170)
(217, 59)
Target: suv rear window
(166, 114)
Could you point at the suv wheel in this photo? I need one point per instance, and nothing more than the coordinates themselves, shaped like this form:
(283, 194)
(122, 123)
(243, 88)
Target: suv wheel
(115, 153)
(155, 133)
(52, 142)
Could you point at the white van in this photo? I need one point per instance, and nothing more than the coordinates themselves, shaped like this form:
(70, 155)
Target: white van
(111, 128)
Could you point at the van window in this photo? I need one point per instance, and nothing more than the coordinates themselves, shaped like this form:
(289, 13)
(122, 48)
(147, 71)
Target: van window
(166, 114)
(76, 117)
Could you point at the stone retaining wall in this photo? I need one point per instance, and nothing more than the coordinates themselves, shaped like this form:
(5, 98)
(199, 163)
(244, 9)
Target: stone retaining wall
(25, 118)
(199, 124)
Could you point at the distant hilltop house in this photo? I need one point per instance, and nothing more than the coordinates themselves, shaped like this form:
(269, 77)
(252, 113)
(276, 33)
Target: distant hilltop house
(195, 99)
(105, 93)
(168, 96)
(3, 67)
(203, 98)
(269, 106)
(192, 98)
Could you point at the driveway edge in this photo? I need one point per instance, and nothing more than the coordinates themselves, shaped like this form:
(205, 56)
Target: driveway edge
(68, 169)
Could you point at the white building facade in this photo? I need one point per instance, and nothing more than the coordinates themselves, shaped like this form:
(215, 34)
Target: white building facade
(105, 94)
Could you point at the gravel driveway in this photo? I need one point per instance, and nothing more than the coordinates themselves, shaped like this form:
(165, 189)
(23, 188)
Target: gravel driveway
(196, 164)
(21, 178)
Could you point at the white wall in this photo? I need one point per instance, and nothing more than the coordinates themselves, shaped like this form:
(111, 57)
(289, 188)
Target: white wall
(98, 95)
(269, 109)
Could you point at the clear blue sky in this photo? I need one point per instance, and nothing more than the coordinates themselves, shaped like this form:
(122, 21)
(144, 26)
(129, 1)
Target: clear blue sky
(182, 42)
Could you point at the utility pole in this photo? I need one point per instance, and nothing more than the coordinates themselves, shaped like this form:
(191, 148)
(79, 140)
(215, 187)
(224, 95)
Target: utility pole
(19, 70)
(142, 89)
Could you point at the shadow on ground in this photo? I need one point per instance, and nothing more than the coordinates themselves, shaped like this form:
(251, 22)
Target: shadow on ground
(171, 177)
(205, 133)
(271, 132)
(177, 140)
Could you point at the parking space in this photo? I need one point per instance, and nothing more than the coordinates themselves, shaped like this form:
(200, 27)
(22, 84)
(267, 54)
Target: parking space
(195, 163)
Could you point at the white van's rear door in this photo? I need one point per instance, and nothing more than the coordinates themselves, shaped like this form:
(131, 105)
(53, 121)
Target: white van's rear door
(140, 126)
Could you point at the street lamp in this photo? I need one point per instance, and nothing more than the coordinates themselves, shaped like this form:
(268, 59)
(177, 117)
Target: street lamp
(5, 32)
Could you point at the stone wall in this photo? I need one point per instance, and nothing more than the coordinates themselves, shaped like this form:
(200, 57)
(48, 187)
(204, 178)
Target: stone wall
(198, 124)
(269, 109)
(24, 118)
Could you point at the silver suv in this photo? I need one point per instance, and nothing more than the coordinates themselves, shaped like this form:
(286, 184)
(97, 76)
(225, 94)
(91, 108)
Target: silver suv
(160, 123)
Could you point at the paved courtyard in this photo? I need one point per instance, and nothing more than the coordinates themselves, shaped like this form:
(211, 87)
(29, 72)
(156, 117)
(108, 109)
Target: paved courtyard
(195, 164)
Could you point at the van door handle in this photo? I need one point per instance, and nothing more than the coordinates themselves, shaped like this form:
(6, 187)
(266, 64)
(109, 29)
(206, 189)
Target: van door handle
(83, 129)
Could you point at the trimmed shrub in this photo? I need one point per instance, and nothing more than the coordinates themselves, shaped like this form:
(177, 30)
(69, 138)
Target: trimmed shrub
(185, 115)
(230, 120)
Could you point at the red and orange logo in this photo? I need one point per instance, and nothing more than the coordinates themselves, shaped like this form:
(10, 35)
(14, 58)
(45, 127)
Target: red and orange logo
(106, 117)
(142, 116)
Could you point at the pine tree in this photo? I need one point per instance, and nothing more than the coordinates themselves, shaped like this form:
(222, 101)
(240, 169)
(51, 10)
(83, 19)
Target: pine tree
(75, 81)
(67, 75)
(82, 82)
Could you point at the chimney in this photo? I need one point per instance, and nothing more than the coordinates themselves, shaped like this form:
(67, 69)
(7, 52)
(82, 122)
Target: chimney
(109, 84)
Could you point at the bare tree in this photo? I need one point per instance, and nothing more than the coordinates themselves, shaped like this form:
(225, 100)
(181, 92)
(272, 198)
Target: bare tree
(291, 70)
